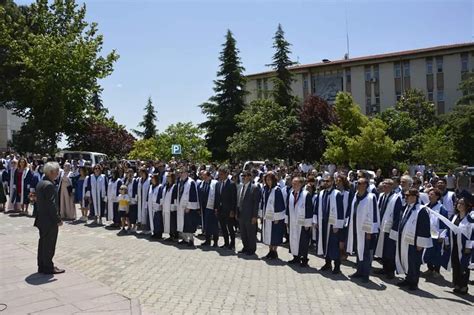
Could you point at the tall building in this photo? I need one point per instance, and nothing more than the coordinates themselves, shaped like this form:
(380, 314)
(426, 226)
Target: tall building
(377, 82)
(9, 124)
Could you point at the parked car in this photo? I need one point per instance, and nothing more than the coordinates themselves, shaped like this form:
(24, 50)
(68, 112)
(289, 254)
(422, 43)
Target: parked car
(92, 158)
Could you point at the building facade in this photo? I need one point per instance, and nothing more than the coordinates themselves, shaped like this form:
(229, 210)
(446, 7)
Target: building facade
(377, 82)
(9, 124)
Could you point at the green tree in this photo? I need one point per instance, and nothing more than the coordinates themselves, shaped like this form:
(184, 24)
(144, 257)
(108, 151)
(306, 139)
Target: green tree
(338, 136)
(228, 101)
(372, 148)
(467, 88)
(282, 92)
(264, 126)
(148, 123)
(159, 147)
(460, 126)
(435, 147)
(51, 61)
(418, 108)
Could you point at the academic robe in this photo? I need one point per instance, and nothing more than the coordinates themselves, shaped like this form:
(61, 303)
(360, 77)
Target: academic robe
(168, 198)
(113, 191)
(299, 217)
(363, 219)
(96, 189)
(154, 209)
(413, 232)
(448, 200)
(439, 232)
(27, 184)
(9, 179)
(66, 198)
(142, 194)
(329, 215)
(391, 207)
(272, 210)
(207, 191)
(461, 239)
(187, 199)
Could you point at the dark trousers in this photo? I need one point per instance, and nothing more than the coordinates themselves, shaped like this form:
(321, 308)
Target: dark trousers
(388, 265)
(227, 226)
(248, 235)
(414, 264)
(363, 267)
(116, 216)
(46, 248)
(305, 238)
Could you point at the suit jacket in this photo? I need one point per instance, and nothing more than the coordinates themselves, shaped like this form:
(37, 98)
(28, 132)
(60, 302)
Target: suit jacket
(47, 214)
(226, 200)
(248, 209)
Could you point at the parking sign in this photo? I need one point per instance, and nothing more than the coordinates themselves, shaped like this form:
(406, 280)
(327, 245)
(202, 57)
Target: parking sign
(176, 149)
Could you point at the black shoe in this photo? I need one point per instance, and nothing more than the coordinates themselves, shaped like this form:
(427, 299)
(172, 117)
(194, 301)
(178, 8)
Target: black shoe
(231, 247)
(224, 246)
(274, 255)
(249, 253)
(412, 287)
(169, 239)
(295, 260)
(390, 275)
(379, 272)
(182, 242)
(365, 280)
(403, 283)
(214, 245)
(304, 262)
(242, 251)
(268, 255)
(190, 244)
(206, 243)
(355, 275)
(55, 271)
(326, 267)
(336, 271)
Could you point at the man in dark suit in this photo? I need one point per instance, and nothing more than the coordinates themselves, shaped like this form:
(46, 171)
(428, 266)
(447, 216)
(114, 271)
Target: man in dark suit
(47, 219)
(226, 204)
(249, 199)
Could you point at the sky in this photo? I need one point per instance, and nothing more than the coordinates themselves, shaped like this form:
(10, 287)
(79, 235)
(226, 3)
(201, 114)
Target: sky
(169, 49)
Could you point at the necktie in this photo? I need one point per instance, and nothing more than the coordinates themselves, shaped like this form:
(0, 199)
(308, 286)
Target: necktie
(222, 186)
(295, 193)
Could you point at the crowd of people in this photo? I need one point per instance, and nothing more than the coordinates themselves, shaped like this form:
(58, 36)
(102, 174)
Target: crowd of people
(401, 220)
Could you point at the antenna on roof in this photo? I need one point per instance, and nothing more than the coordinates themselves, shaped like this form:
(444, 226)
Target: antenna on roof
(346, 56)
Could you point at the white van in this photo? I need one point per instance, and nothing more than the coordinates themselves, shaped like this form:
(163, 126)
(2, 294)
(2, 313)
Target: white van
(92, 157)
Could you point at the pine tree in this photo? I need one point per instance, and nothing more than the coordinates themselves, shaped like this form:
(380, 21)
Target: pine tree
(228, 101)
(148, 123)
(281, 61)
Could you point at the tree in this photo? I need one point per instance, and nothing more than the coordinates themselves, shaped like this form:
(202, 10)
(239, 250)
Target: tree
(228, 101)
(118, 141)
(159, 147)
(148, 123)
(467, 88)
(418, 108)
(264, 126)
(435, 148)
(460, 126)
(308, 140)
(338, 136)
(51, 62)
(372, 148)
(282, 92)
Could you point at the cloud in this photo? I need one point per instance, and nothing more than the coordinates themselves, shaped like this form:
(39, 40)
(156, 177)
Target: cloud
(119, 85)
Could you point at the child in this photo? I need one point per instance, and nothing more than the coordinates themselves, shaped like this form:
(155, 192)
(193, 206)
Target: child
(123, 206)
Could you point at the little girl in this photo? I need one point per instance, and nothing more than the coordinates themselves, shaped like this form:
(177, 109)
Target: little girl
(123, 206)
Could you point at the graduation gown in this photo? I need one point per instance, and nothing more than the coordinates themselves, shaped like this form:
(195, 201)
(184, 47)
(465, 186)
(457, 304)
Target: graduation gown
(299, 216)
(463, 236)
(154, 209)
(329, 214)
(113, 191)
(390, 208)
(187, 199)
(96, 189)
(439, 232)
(9, 179)
(142, 196)
(413, 231)
(66, 198)
(28, 185)
(272, 210)
(207, 194)
(168, 199)
(448, 200)
(363, 219)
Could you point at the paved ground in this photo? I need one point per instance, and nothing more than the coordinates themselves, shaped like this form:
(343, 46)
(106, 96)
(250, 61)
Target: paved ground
(169, 279)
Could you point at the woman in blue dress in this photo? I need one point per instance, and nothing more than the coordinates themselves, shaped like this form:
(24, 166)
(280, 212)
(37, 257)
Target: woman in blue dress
(79, 191)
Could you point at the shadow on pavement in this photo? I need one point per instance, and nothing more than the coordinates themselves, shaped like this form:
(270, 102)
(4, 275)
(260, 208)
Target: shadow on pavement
(39, 279)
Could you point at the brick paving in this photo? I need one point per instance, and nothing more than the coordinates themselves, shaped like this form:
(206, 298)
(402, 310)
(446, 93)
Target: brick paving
(108, 269)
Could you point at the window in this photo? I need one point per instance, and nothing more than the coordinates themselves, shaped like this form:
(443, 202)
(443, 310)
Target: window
(439, 64)
(398, 96)
(368, 101)
(376, 72)
(368, 74)
(430, 96)
(406, 68)
(429, 65)
(440, 96)
(397, 70)
(305, 84)
(348, 80)
(377, 100)
(259, 88)
(265, 88)
(464, 62)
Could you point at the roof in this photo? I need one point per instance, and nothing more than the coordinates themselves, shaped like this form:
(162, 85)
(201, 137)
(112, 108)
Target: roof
(375, 57)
